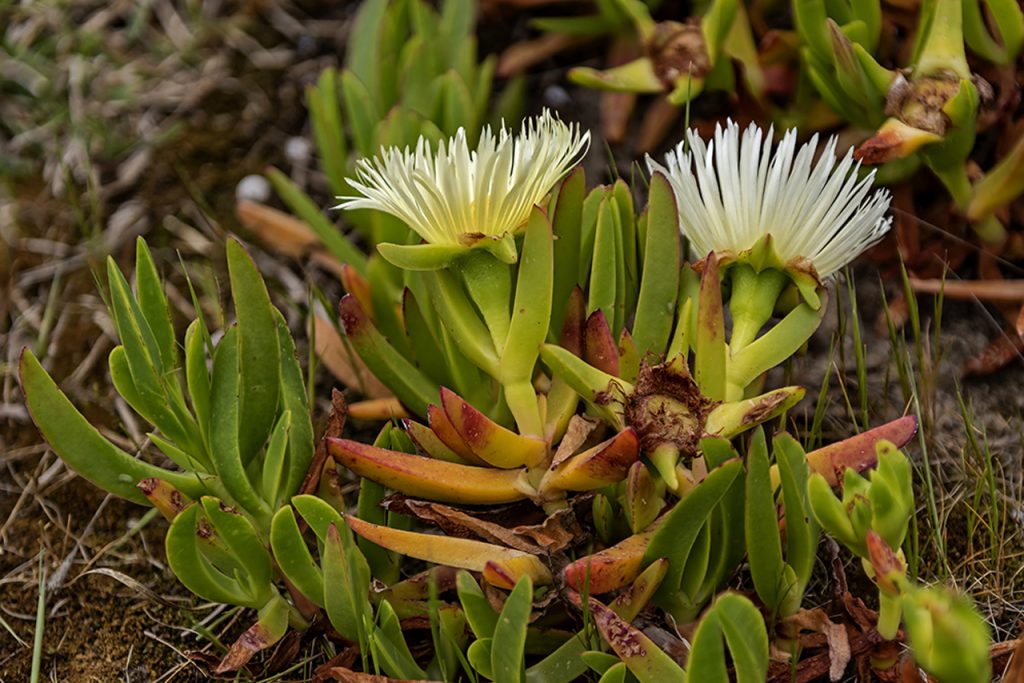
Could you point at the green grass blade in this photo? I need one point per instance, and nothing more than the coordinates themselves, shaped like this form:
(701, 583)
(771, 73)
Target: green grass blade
(304, 207)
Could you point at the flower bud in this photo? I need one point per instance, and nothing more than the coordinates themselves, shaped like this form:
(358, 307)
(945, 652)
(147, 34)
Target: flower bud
(948, 638)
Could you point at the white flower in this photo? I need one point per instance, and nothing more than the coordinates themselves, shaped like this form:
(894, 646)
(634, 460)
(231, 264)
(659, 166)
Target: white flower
(734, 192)
(457, 196)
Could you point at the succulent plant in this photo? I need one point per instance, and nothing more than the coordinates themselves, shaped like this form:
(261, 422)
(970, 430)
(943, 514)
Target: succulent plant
(231, 415)
(579, 472)
(411, 72)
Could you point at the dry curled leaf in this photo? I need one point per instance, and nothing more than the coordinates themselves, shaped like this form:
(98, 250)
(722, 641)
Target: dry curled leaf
(342, 660)
(348, 676)
(554, 534)
(817, 621)
(335, 425)
(576, 434)
(254, 639)
(343, 362)
(1014, 650)
(281, 232)
(1000, 351)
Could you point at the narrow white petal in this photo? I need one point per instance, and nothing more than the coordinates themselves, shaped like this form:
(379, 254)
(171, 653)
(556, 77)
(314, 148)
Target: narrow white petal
(458, 192)
(734, 190)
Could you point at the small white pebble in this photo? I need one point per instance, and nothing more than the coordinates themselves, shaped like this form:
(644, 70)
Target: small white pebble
(298, 150)
(556, 96)
(254, 188)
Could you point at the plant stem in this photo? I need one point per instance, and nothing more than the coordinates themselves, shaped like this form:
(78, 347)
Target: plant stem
(489, 283)
(37, 641)
(889, 614)
(752, 302)
(943, 49)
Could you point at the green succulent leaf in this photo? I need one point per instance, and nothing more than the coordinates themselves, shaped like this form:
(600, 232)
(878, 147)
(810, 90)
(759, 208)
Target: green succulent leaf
(677, 534)
(606, 263)
(153, 304)
(293, 556)
(481, 616)
(479, 655)
(564, 665)
(600, 662)
(155, 387)
(764, 547)
(710, 352)
(566, 213)
(615, 674)
(360, 111)
(736, 619)
(390, 650)
(194, 570)
(294, 400)
(274, 459)
(409, 383)
(82, 447)
(655, 309)
(224, 429)
(328, 133)
(346, 578)
(776, 345)
(948, 638)
(801, 528)
(460, 318)
(510, 634)
(637, 76)
(242, 541)
(531, 316)
(364, 50)
(259, 382)
(590, 383)
(198, 378)
(831, 514)
(319, 515)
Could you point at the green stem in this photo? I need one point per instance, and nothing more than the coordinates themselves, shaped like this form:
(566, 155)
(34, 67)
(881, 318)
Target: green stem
(37, 638)
(734, 391)
(774, 347)
(959, 185)
(489, 283)
(889, 613)
(522, 401)
(989, 229)
(943, 49)
(752, 302)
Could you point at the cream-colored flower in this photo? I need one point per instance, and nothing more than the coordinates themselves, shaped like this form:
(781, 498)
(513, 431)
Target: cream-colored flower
(458, 196)
(735, 191)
